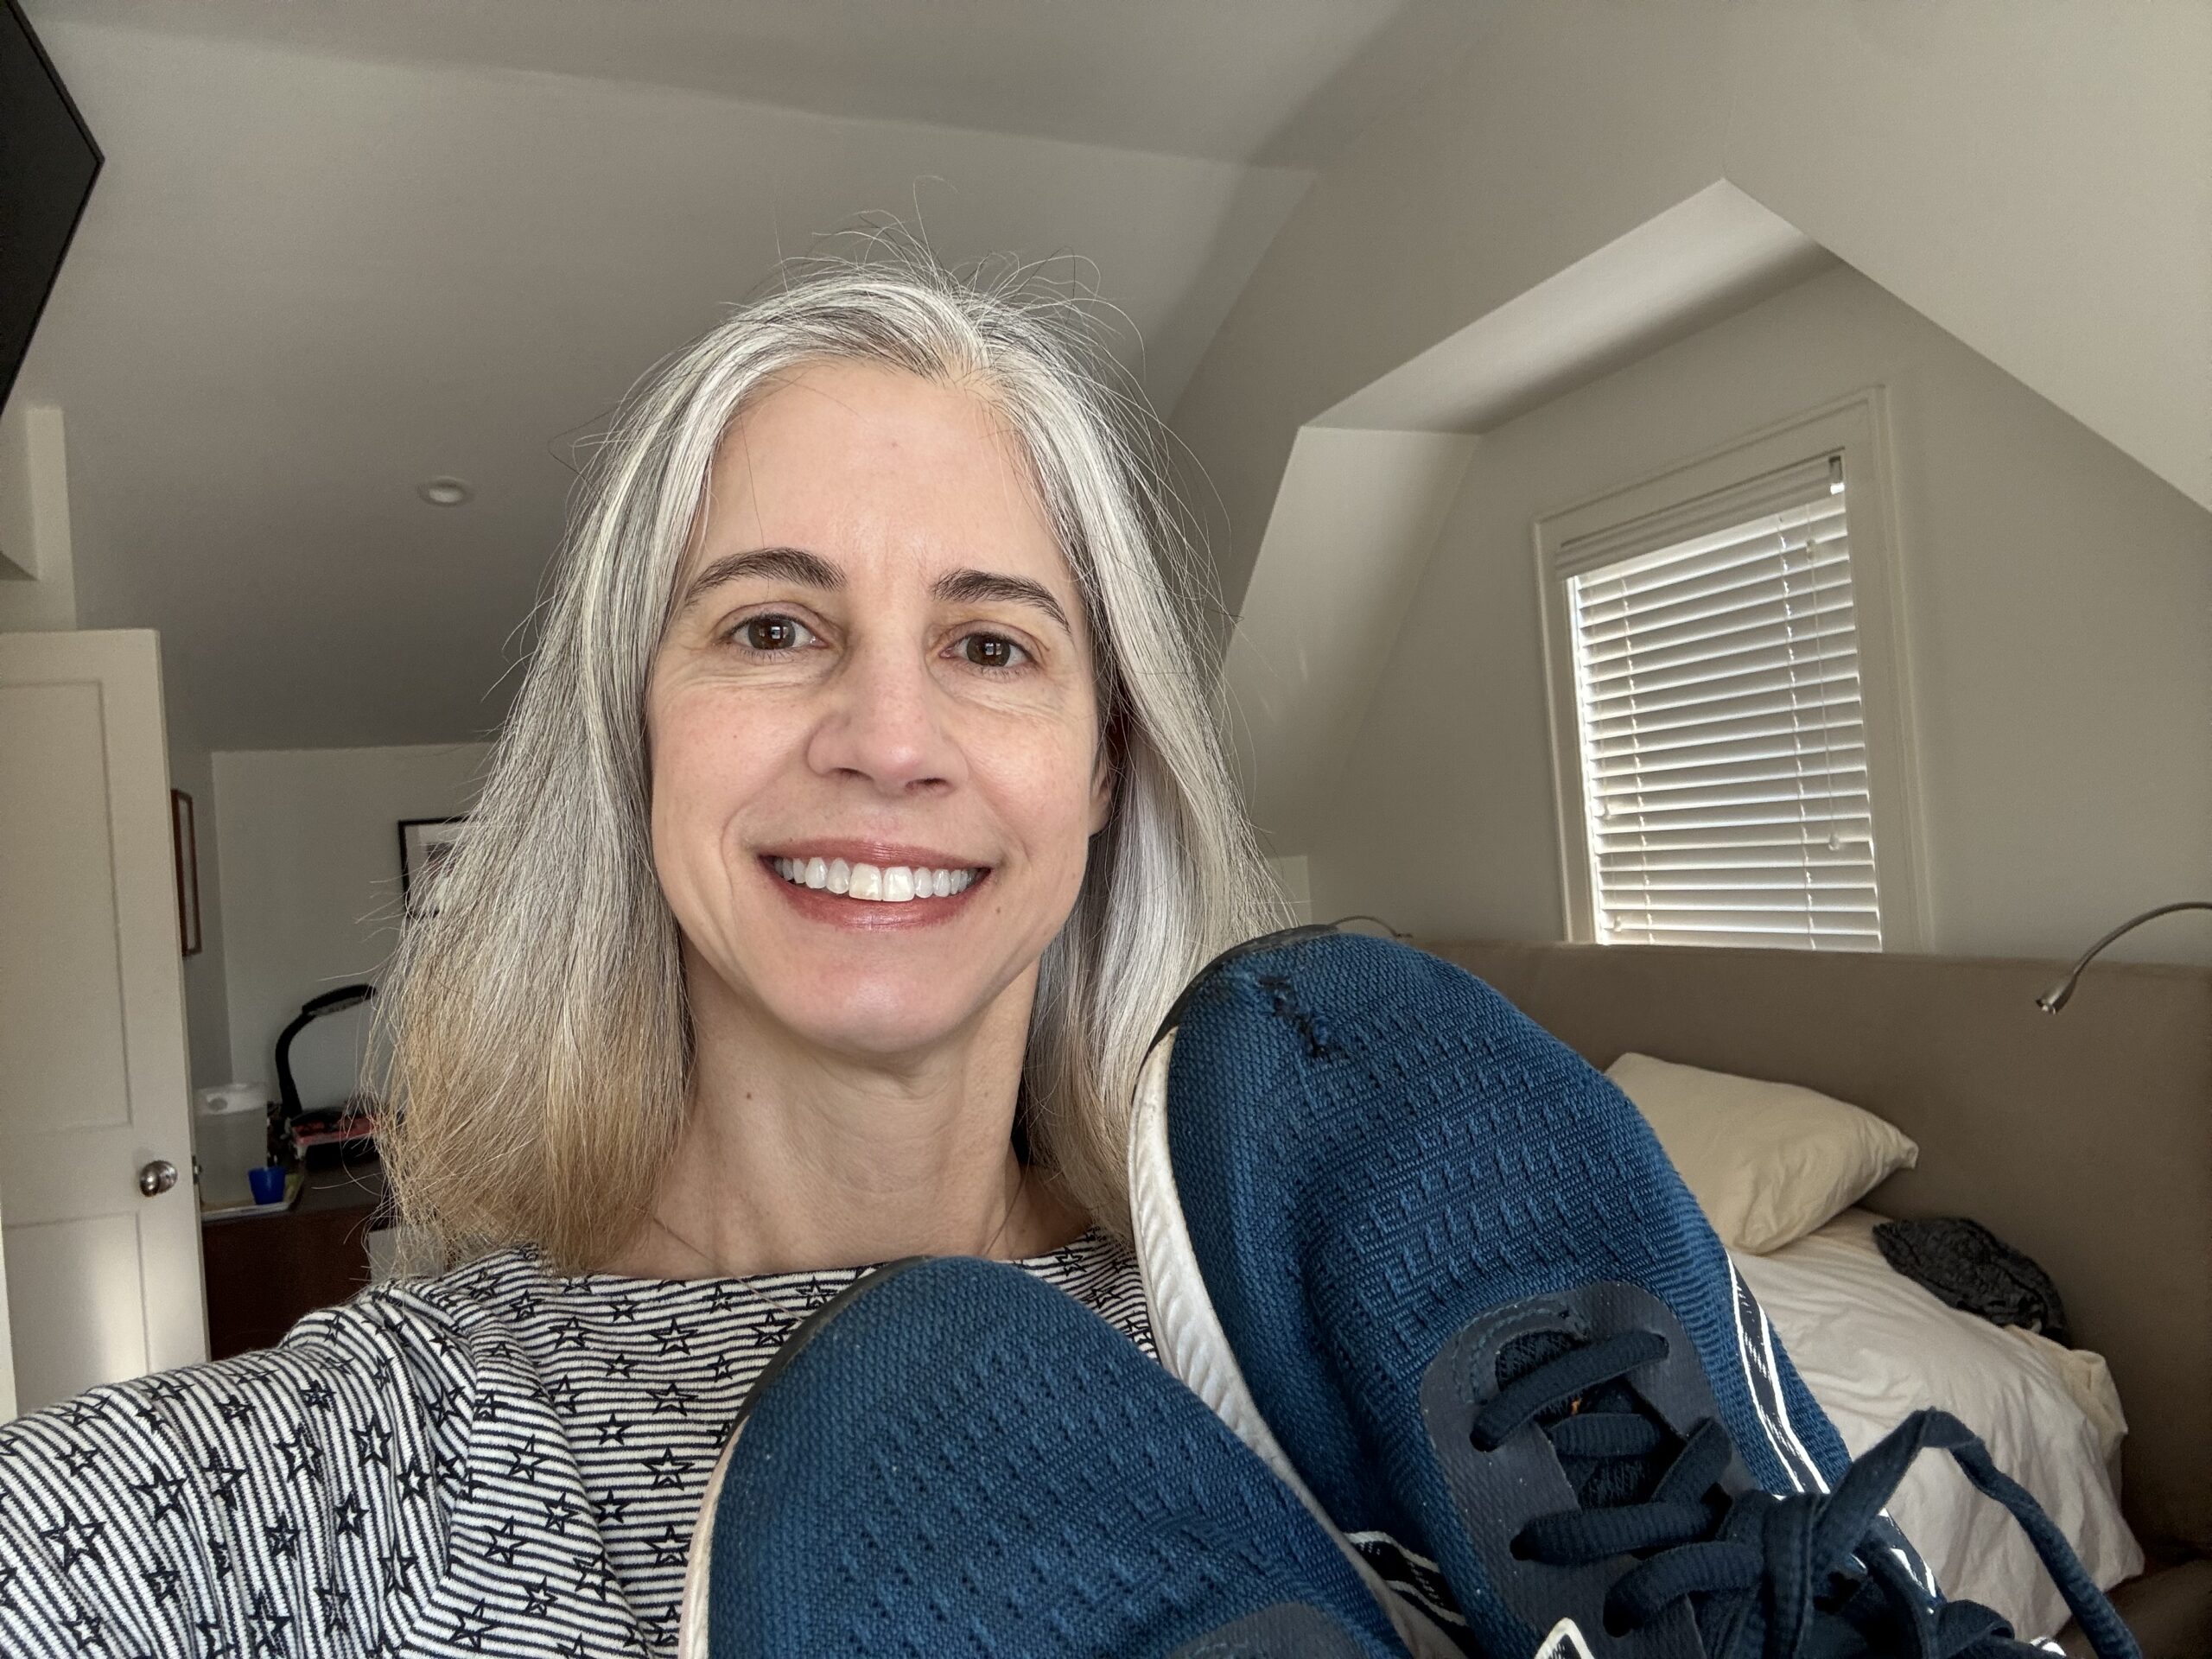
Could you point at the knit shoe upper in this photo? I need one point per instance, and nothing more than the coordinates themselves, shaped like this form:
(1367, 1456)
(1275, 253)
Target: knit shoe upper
(955, 1458)
(1438, 1269)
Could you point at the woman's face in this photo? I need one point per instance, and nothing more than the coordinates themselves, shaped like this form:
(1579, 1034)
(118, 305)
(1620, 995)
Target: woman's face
(876, 739)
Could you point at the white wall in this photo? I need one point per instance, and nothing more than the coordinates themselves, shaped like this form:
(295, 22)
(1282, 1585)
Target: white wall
(38, 574)
(206, 993)
(310, 880)
(305, 282)
(2028, 173)
(2059, 617)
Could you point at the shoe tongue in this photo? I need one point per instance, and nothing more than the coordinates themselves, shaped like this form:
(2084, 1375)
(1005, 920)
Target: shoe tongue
(1523, 1354)
(1598, 1482)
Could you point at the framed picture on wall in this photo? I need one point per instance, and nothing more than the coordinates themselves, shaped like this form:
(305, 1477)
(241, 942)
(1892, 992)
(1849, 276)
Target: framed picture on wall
(424, 845)
(186, 839)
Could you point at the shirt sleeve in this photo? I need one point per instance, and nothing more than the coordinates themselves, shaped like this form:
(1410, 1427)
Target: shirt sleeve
(283, 1502)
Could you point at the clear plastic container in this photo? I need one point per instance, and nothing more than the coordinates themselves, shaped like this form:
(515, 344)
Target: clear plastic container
(229, 1136)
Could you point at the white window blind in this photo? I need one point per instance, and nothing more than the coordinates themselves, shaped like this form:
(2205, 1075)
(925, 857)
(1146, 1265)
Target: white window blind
(1723, 744)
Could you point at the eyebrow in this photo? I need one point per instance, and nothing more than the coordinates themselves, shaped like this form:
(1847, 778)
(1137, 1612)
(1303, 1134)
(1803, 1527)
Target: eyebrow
(793, 564)
(987, 586)
(796, 564)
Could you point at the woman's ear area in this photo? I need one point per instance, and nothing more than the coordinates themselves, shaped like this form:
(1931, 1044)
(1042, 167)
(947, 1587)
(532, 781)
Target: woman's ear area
(1101, 795)
(1106, 774)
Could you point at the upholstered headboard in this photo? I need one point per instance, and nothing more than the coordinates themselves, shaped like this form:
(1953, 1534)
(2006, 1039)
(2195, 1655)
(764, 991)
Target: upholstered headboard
(2084, 1138)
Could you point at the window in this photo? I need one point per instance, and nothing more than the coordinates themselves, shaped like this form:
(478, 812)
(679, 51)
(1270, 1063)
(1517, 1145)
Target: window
(1729, 773)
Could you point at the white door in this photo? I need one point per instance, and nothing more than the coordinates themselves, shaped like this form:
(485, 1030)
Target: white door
(102, 1280)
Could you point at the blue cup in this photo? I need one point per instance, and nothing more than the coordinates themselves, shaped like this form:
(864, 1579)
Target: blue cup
(268, 1184)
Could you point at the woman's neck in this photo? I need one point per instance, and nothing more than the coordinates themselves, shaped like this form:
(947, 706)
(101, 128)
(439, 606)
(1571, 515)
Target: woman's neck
(791, 1159)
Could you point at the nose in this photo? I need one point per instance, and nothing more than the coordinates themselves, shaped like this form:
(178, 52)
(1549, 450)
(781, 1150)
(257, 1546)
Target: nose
(885, 723)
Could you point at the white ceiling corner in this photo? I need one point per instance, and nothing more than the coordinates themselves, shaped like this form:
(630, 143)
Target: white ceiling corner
(340, 246)
(1371, 481)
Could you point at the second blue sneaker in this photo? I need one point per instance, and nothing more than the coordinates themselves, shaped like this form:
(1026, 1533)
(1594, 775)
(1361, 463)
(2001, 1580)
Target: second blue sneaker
(955, 1458)
(1437, 1271)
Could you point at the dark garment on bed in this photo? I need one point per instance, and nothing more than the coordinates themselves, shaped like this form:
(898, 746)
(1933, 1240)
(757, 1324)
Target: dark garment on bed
(1968, 1267)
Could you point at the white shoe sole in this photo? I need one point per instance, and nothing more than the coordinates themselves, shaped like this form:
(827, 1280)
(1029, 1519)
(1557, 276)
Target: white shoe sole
(691, 1623)
(1195, 1349)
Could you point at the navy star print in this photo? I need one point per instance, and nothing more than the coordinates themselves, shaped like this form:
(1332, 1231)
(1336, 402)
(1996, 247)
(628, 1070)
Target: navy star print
(500, 1460)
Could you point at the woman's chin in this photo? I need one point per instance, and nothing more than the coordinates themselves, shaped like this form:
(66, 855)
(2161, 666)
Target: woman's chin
(880, 1018)
(876, 999)
(883, 1037)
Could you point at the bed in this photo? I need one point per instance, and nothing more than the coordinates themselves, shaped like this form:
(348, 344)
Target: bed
(1873, 1346)
(2084, 1139)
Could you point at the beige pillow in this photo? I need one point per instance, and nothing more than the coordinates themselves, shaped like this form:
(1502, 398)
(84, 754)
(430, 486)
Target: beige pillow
(1768, 1162)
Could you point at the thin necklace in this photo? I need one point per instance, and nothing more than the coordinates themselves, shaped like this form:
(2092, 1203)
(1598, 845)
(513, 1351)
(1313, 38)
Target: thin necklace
(1013, 1204)
(809, 1300)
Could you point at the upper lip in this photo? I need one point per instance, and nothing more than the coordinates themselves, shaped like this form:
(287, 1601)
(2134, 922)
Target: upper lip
(882, 854)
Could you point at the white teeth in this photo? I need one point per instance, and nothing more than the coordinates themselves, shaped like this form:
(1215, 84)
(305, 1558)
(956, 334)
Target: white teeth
(891, 884)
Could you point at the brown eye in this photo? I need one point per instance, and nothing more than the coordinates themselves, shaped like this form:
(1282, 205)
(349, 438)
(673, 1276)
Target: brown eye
(771, 633)
(990, 651)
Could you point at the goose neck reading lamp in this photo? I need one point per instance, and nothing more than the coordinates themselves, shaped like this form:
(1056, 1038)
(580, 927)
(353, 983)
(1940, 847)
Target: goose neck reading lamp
(2063, 993)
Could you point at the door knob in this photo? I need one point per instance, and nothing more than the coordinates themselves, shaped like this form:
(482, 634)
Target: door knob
(158, 1178)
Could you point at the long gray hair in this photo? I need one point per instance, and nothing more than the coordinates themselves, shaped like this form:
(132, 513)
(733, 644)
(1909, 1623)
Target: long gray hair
(536, 1022)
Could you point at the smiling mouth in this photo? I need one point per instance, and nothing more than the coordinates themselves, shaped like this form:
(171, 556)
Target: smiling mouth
(882, 884)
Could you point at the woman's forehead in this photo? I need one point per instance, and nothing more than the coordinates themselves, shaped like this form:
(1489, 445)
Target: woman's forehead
(859, 462)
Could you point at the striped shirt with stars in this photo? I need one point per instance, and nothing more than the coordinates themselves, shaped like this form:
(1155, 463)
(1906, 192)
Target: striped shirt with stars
(499, 1460)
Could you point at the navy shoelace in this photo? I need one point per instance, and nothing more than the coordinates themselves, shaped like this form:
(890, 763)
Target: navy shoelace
(1795, 1577)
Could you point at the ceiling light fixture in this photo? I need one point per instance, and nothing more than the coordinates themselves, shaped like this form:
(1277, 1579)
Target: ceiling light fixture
(444, 492)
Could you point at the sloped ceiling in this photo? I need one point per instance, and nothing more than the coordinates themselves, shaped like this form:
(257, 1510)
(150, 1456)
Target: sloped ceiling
(1278, 83)
(343, 247)
(2030, 179)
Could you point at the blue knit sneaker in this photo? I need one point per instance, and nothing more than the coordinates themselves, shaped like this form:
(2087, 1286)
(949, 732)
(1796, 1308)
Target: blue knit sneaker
(1438, 1273)
(954, 1458)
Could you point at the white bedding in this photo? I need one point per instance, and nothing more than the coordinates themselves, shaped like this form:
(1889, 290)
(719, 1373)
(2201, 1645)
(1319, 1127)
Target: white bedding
(1873, 1346)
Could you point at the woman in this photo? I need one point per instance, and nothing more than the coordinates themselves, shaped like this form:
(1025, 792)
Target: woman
(857, 822)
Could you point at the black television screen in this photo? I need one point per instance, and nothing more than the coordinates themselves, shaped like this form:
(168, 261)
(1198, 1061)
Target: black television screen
(47, 163)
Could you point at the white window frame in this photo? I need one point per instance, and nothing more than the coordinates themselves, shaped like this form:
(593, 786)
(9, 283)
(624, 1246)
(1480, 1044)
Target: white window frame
(1856, 428)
